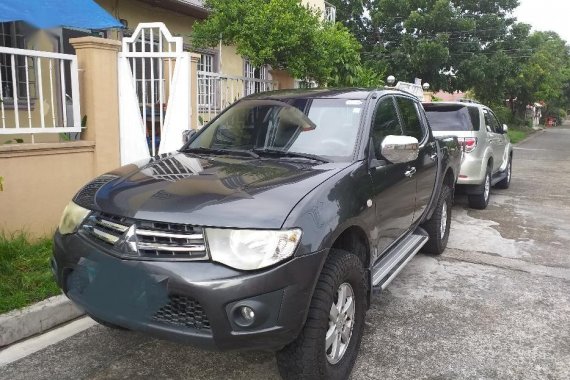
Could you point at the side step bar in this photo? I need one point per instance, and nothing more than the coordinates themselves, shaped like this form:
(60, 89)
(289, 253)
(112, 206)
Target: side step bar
(385, 270)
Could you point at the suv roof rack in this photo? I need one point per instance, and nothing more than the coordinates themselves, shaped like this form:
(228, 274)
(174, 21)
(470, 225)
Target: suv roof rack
(469, 101)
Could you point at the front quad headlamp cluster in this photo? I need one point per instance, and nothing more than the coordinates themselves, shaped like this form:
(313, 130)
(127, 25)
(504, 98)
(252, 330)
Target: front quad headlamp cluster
(239, 249)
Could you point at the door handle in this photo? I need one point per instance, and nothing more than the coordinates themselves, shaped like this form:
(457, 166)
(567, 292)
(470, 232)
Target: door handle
(433, 156)
(410, 172)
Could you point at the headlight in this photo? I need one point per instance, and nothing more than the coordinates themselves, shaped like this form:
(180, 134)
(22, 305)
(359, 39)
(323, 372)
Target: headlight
(72, 217)
(251, 249)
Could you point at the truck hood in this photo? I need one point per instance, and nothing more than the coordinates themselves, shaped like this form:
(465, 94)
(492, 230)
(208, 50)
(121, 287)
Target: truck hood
(207, 191)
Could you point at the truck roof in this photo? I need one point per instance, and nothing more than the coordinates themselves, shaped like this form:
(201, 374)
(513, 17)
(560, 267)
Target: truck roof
(320, 93)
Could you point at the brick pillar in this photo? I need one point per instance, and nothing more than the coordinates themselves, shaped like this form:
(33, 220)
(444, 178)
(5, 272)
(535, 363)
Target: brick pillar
(194, 59)
(97, 59)
(285, 80)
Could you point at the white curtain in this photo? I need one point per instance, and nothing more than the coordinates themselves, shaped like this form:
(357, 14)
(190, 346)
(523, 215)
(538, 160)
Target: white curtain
(133, 142)
(177, 118)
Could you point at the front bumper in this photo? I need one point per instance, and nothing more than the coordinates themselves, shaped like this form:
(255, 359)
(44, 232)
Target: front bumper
(189, 302)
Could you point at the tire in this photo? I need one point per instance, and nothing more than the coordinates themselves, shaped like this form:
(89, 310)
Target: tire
(506, 182)
(307, 357)
(481, 201)
(438, 225)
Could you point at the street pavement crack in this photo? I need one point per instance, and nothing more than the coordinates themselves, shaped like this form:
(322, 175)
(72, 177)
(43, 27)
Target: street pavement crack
(482, 258)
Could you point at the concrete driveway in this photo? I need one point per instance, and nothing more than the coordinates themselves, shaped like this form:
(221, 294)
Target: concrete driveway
(495, 305)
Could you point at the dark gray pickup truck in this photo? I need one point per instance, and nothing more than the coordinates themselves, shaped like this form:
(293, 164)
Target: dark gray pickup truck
(268, 229)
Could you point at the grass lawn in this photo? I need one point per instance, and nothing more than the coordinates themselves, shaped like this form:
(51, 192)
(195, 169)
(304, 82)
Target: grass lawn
(517, 134)
(25, 274)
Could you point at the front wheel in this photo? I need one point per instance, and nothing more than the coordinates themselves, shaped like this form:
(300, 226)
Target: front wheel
(328, 345)
(437, 226)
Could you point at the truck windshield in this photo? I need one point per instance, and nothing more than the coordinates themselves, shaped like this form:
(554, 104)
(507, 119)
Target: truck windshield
(451, 117)
(319, 127)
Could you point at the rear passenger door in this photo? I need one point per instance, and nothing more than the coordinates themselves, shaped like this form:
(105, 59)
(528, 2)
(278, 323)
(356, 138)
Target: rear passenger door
(414, 123)
(495, 138)
(500, 142)
(394, 192)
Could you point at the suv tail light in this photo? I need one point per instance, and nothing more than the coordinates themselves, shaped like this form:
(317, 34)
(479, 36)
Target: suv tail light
(468, 143)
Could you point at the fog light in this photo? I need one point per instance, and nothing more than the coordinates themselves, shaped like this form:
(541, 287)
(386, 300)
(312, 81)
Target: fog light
(247, 314)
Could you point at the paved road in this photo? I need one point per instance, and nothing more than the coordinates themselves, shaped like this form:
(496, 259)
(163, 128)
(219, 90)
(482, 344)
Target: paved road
(495, 305)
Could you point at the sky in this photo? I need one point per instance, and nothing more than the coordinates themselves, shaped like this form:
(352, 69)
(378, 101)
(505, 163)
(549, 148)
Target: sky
(546, 15)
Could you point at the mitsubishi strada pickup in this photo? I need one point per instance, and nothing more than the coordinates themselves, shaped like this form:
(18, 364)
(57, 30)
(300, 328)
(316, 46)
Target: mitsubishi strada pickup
(270, 228)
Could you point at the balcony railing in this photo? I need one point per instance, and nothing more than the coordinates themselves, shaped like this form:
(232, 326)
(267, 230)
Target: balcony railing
(39, 92)
(217, 91)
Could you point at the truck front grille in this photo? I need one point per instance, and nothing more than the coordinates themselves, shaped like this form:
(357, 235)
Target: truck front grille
(183, 311)
(153, 240)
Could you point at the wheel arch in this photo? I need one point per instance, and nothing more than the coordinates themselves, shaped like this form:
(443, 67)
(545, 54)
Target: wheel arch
(354, 240)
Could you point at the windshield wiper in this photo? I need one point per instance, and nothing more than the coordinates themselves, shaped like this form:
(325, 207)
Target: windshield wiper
(283, 153)
(238, 152)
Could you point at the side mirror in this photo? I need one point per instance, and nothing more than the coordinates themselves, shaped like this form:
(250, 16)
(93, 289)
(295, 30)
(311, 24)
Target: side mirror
(505, 128)
(187, 135)
(400, 149)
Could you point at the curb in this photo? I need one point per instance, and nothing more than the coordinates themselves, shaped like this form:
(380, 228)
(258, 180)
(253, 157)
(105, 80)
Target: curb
(531, 136)
(35, 319)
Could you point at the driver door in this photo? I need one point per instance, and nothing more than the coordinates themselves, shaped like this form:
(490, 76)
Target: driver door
(393, 192)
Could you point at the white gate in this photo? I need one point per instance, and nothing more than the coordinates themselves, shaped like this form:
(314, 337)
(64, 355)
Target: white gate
(154, 92)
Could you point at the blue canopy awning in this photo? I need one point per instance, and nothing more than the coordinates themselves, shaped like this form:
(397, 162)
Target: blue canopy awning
(45, 14)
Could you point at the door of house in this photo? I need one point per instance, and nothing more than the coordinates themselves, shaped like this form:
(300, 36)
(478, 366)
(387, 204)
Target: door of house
(154, 92)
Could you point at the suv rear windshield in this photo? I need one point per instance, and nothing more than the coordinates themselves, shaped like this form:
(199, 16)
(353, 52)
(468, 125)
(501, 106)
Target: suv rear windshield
(452, 117)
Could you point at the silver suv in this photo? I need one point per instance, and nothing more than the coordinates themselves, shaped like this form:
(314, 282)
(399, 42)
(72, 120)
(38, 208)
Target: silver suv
(488, 158)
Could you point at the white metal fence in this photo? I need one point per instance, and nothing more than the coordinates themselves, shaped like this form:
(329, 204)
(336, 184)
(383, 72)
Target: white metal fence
(217, 91)
(39, 92)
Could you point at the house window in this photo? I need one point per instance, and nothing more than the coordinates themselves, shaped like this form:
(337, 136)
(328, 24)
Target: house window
(12, 35)
(330, 12)
(206, 83)
(206, 63)
(252, 72)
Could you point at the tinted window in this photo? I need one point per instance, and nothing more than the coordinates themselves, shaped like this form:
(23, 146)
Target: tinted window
(452, 117)
(412, 125)
(385, 123)
(491, 122)
(324, 127)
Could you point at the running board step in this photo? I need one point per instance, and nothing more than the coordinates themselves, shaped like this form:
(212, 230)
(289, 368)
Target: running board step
(394, 261)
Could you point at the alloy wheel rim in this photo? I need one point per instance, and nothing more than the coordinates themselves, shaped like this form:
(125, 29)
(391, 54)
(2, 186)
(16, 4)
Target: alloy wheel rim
(509, 172)
(443, 225)
(487, 187)
(341, 323)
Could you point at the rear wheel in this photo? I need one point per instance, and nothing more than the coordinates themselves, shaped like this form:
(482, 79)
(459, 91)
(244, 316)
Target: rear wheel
(328, 345)
(481, 201)
(437, 226)
(506, 182)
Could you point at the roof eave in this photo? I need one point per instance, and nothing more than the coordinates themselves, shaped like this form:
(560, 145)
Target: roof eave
(185, 7)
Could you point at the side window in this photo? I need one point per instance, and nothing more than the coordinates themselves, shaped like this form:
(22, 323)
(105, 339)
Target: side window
(410, 117)
(497, 123)
(491, 122)
(423, 117)
(385, 123)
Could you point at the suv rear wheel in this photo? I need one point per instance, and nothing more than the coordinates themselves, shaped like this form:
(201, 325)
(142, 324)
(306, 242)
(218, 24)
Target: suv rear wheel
(480, 201)
(328, 345)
